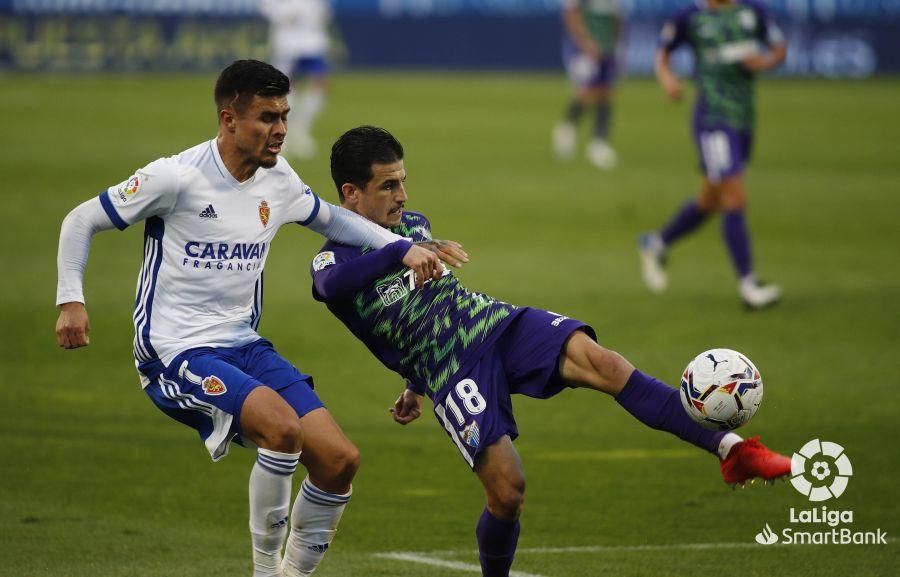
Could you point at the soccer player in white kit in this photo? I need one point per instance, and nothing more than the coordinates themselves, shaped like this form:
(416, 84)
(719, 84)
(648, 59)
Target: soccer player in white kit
(210, 214)
(299, 38)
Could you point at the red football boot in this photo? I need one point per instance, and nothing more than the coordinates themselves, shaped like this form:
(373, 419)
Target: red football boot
(750, 459)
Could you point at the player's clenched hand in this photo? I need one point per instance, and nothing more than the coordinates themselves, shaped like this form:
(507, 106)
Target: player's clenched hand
(424, 263)
(671, 86)
(757, 63)
(407, 408)
(73, 326)
(449, 251)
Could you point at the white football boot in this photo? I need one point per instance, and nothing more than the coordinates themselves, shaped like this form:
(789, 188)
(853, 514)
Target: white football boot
(757, 295)
(601, 155)
(653, 262)
(565, 139)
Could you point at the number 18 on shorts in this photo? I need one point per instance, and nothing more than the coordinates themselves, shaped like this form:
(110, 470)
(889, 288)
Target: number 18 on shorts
(476, 413)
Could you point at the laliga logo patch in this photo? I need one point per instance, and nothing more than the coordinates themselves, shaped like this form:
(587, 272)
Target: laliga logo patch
(213, 386)
(820, 470)
(322, 260)
(264, 212)
(133, 184)
(129, 188)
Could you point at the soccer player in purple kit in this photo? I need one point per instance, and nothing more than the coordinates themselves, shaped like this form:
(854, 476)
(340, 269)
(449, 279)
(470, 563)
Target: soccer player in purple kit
(469, 352)
(732, 41)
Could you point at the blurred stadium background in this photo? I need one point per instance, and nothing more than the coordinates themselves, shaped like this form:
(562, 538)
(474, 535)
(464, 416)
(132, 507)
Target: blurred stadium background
(94, 481)
(830, 38)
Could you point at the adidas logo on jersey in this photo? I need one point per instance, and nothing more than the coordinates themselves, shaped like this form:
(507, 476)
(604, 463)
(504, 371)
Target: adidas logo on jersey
(209, 212)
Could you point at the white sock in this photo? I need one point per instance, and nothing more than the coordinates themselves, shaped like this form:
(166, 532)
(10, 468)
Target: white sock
(270, 500)
(727, 442)
(314, 520)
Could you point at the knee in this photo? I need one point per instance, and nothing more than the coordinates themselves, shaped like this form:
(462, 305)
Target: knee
(284, 435)
(733, 195)
(342, 465)
(507, 500)
(611, 369)
(708, 201)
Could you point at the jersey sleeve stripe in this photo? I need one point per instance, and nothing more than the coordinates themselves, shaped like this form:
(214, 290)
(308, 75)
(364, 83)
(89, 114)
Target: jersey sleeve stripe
(111, 211)
(313, 214)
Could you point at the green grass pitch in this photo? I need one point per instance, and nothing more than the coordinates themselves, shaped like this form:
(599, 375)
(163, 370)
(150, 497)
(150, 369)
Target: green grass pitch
(95, 481)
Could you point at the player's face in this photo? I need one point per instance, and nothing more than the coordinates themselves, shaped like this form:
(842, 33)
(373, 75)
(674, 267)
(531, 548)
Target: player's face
(260, 130)
(382, 200)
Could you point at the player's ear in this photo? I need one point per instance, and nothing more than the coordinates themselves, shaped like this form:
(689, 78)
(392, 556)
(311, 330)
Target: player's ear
(351, 192)
(228, 118)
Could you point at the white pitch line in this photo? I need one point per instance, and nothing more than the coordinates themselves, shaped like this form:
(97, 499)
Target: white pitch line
(429, 557)
(609, 548)
(458, 565)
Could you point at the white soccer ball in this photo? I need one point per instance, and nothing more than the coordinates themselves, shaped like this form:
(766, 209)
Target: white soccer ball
(721, 389)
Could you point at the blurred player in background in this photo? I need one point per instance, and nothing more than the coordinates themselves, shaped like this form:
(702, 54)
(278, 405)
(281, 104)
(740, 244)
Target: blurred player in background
(299, 39)
(210, 214)
(469, 352)
(732, 40)
(591, 31)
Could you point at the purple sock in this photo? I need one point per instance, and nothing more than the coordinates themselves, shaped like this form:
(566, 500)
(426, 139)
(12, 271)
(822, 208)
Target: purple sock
(737, 238)
(685, 221)
(657, 405)
(497, 541)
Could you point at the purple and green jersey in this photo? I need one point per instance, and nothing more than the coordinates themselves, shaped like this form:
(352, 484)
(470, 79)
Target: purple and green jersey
(425, 334)
(721, 39)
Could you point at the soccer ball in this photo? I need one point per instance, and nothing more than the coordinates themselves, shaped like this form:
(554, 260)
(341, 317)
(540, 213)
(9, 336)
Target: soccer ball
(721, 389)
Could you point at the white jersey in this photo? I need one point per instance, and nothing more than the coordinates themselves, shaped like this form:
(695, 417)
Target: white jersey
(206, 240)
(299, 28)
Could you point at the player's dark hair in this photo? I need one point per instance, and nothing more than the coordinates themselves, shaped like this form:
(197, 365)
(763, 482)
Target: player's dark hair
(243, 79)
(354, 153)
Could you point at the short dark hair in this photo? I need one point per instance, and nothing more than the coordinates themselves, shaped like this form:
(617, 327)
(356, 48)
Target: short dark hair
(354, 153)
(243, 79)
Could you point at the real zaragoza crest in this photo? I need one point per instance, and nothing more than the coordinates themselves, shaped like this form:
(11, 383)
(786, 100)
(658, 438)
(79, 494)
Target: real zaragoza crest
(264, 213)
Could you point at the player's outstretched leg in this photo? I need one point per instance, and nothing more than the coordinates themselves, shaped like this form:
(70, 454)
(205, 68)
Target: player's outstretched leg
(585, 363)
(500, 470)
(332, 461)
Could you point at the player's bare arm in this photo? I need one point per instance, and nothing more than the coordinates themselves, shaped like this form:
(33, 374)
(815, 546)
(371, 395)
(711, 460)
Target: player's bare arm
(449, 251)
(574, 23)
(766, 60)
(73, 326)
(670, 83)
(407, 408)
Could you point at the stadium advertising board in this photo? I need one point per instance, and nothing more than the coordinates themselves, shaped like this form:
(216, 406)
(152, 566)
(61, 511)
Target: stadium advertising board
(834, 38)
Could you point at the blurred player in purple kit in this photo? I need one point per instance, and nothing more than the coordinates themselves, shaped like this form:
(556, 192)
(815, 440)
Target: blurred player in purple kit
(732, 40)
(469, 352)
(591, 31)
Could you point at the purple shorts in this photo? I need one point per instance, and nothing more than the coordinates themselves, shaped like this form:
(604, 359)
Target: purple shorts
(724, 151)
(309, 66)
(584, 71)
(205, 388)
(475, 408)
